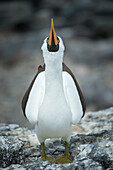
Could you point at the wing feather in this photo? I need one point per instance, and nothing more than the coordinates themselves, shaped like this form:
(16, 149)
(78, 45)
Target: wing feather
(65, 68)
(35, 93)
(38, 81)
(35, 98)
(72, 97)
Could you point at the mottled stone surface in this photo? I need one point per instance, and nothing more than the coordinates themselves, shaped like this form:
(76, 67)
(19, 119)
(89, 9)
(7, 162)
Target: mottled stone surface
(91, 146)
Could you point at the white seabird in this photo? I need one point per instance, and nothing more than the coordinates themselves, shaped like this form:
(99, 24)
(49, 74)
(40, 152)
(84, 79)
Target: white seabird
(54, 101)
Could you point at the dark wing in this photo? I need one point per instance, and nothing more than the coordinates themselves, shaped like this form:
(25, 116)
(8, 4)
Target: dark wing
(42, 68)
(25, 98)
(65, 68)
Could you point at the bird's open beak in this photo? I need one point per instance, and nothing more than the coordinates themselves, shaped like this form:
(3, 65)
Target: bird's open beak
(52, 42)
(52, 36)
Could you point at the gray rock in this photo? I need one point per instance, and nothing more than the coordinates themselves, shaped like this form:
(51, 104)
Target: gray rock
(98, 122)
(10, 151)
(91, 150)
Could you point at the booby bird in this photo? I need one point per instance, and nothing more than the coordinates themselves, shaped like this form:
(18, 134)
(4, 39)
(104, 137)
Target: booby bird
(54, 101)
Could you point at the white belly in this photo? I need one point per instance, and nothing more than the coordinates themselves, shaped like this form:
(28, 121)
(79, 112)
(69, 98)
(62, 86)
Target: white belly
(54, 120)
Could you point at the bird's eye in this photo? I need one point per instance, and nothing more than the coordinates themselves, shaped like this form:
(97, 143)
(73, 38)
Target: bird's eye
(47, 41)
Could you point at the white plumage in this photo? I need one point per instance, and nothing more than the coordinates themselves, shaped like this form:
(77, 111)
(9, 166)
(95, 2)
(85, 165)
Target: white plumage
(54, 102)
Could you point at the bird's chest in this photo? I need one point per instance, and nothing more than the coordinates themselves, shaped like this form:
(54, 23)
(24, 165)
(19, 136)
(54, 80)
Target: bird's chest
(54, 117)
(54, 110)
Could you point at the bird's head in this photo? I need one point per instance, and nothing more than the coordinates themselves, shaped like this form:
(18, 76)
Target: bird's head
(53, 45)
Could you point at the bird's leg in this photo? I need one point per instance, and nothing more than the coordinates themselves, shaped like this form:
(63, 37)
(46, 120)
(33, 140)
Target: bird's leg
(66, 149)
(44, 156)
(65, 158)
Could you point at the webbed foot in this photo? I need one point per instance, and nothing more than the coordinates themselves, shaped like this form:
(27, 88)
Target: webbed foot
(44, 156)
(47, 158)
(63, 159)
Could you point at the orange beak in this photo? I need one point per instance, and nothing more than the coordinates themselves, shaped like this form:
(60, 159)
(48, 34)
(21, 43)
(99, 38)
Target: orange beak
(52, 36)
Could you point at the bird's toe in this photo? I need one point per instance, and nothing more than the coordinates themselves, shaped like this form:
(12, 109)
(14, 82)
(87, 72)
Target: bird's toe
(47, 158)
(64, 159)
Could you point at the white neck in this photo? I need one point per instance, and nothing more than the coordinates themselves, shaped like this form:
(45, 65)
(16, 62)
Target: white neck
(53, 73)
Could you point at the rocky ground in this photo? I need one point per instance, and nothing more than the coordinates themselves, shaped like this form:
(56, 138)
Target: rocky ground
(91, 145)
